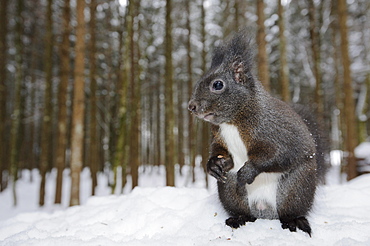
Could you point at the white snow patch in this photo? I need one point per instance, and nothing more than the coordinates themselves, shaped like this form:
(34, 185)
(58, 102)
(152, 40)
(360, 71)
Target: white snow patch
(186, 216)
(363, 150)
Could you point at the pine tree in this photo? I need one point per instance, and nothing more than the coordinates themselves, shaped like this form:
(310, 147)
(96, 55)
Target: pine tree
(315, 47)
(46, 146)
(135, 102)
(120, 158)
(16, 121)
(62, 102)
(284, 69)
(349, 106)
(205, 126)
(263, 62)
(169, 108)
(77, 138)
(3, 87)
(94, 140)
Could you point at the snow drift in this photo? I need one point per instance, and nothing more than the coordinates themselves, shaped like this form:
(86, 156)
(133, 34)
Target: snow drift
(190, 216)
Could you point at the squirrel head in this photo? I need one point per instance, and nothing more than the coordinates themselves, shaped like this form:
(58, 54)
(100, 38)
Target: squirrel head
(228, 86)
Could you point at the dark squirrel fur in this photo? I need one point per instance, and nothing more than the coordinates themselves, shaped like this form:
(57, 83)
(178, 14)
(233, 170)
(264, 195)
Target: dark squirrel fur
(281, 164)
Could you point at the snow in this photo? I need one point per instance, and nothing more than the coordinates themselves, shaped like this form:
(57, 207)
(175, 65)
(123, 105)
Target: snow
(177, 216)
(363, 150)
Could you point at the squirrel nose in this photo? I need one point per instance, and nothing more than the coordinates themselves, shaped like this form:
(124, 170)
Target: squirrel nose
(192, 106)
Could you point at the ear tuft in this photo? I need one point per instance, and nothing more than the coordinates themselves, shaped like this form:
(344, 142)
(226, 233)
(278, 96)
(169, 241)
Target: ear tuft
(238, 68)
(236, 54)
(218, 56)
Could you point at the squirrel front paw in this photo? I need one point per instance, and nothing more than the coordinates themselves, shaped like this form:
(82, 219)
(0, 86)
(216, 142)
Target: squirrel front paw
(218, 166)
(247, 174)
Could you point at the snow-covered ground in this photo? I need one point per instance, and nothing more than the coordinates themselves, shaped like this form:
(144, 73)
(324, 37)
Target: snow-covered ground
(172, 216)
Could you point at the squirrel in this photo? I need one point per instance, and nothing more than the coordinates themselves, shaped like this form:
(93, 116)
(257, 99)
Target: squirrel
(266, 160)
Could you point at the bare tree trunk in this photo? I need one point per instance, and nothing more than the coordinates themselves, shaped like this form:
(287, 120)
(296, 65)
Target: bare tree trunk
(263, 62)
(236, 14)
(3, 87)
(284, 69)
(338, 118)
(62, 102)
(180, 124)
(363, 104)
(191, 137)
(78, 107)
(315, 46)
(135, 103)
(362, 109)
(31, 155)
(159, 130)
(94, 139)
(205, 126)
(169, 110)
(16, 121)
(47, 114)
(122, 139)
(349, 106)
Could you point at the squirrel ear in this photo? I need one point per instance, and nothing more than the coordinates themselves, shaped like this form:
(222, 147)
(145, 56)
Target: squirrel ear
(239, 75)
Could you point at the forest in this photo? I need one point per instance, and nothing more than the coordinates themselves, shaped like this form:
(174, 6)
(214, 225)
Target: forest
(105, 84)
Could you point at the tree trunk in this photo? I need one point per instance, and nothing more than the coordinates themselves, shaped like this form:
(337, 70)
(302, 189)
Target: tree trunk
(94, 139)
(78, 107)
(236, 14)
(315, 47)
(135, 101)
(362, 109)
(31, 157)
(191, 132)
(47, 114)
(62, 102)
(349, 106)
(120, 157)
(169, 110)
(338, 119)
(263, 62)
(3, 87)
(205, 126)
(16, 121)
(284, 69)
(159, 129)
(363, 104)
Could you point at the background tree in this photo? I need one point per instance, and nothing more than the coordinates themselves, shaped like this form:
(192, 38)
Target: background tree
(3, 87)
(191, 130)
(315, 47)
(78, 106)
(349, 108)
(263, 66)
(46, 144)
(135, 89)
(205, 125)
(284, 69)
(62, 137)
(17, 110)
(121, 147)
(169, 111)
(94, 141)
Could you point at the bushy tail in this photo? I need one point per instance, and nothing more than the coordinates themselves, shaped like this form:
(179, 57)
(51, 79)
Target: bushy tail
(316, 129)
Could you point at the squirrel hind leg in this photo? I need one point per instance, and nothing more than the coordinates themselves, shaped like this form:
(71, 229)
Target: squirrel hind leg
(300, 223)
(238, 221)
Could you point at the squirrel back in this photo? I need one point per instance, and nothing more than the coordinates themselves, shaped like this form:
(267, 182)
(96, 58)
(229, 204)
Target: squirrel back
(263, 154)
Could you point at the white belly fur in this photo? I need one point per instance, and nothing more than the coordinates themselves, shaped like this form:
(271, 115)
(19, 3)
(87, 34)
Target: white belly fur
(263, 189)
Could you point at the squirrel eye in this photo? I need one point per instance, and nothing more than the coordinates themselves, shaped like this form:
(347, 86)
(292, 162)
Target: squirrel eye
(218, 85)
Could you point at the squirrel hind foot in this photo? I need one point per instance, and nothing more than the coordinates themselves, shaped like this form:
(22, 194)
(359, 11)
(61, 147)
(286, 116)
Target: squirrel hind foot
(300, 223)
(238, 221)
